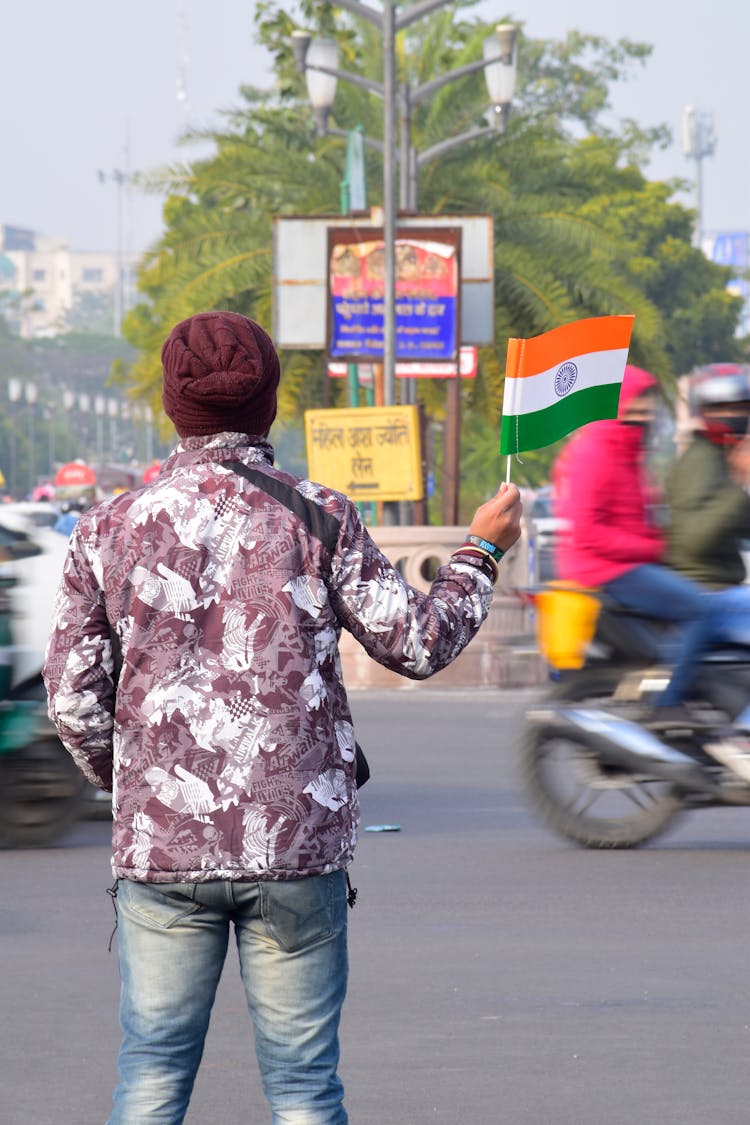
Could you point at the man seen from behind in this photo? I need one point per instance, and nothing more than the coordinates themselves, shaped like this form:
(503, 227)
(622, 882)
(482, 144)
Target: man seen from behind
(193, 669)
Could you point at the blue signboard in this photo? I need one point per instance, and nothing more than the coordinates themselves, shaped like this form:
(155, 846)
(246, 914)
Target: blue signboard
(425, 328)
(732, 248)
(427, 286)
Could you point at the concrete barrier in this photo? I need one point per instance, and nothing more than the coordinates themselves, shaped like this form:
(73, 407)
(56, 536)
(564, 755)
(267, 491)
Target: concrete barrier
(502, 655)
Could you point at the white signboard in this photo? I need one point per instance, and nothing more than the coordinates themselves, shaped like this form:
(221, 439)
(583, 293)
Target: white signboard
(300, 275)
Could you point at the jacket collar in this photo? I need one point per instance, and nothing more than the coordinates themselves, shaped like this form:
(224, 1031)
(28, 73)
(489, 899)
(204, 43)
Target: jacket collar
(225, 446)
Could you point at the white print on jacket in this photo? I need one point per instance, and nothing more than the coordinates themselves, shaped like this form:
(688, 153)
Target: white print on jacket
(345, 739)
(238, 641)
(308, 593)
(196, 523)
(477, 608)
(188, 794)
(139, 851)
(170, 593)
(258, 841)
(326, 645)
(313, 690)
(214, 723)
(329, 789)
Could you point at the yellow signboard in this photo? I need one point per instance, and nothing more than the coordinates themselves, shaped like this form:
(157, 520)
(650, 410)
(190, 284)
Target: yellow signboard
(370, 452)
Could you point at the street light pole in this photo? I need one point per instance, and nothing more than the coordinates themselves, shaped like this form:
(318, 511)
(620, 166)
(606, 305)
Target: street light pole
(31, 395)
(389, 24)
(120, 178)
(389, 203)
(498, 65)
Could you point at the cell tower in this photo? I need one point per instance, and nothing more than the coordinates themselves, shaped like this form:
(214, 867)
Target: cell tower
(698, 141)
(182, 73)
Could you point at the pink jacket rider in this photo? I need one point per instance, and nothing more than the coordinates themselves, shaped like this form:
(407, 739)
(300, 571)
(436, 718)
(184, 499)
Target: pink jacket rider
(603, 493)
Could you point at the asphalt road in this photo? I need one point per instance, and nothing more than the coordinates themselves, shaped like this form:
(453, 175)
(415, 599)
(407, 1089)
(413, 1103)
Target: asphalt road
(498, 975)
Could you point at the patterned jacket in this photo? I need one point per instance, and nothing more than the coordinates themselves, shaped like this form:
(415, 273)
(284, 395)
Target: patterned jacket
(193, 663)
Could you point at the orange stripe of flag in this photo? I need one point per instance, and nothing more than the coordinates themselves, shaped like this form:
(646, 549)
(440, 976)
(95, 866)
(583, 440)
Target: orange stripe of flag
(540, 353)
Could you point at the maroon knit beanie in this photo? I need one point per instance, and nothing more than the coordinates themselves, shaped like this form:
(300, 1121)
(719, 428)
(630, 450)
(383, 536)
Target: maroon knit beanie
(220, 372)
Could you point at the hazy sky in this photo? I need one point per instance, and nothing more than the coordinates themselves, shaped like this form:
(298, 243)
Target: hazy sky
(80, 79)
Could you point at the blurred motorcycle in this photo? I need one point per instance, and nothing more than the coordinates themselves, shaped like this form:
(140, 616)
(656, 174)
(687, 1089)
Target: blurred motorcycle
(598, 765)
(40, 785)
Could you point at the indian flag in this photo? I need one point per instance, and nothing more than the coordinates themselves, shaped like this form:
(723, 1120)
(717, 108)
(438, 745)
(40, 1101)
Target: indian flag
(563, 379)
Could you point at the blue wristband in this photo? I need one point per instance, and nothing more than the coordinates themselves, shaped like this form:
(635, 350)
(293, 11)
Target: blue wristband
(485, 545)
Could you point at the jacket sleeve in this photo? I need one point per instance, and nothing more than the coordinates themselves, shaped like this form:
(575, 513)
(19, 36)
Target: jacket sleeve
(79, 669)
(404, 629)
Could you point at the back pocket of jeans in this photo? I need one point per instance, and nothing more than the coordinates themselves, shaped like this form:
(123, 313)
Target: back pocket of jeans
(300, 913)
(160, 904)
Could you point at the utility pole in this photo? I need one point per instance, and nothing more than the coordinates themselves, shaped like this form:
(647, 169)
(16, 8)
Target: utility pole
(120, 179)
(183, 99)
(498, 63)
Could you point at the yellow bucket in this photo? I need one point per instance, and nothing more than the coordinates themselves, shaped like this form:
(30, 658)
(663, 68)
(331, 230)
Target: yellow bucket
(565, 623)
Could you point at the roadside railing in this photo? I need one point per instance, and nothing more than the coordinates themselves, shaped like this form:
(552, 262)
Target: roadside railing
(504, 654)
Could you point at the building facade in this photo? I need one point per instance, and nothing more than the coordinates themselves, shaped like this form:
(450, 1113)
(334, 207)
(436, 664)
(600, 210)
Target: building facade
(47, 288)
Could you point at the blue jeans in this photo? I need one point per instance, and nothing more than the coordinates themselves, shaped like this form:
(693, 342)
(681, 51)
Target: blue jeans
(173, 939)
(663, 594)
(730, 622)
(730, 615)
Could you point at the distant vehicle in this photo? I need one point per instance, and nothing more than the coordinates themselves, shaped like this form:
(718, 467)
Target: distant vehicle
(40, 788)
(36, 579)
(544, 530)
(32, 587)
(29, 513)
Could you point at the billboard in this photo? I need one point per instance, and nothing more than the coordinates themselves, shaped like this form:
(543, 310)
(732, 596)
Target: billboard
(301, 285)
(427, 294)
(467, 367)
(732, 248)
(17, 238)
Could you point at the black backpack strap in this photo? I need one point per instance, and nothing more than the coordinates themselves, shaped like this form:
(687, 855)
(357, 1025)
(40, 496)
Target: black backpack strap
(324, 527)
(321, 524)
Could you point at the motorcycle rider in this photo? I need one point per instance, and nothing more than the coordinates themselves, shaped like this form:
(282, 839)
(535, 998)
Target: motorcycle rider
(606, 496)
(710, 517)
(707, 487)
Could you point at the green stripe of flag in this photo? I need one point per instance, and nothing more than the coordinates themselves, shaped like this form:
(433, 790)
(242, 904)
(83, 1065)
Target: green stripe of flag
(543, 427)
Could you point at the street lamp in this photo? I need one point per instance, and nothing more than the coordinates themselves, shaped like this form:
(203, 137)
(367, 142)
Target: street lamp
(15, 391)
(68, 401)
(318, 59)
(100, 409)
(698, 141)
(31, 395)
(499, 52)
(498, 63)
(322, 57)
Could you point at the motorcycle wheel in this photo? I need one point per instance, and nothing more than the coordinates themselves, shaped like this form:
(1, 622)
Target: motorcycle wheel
(40, 793)
(580, 798)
